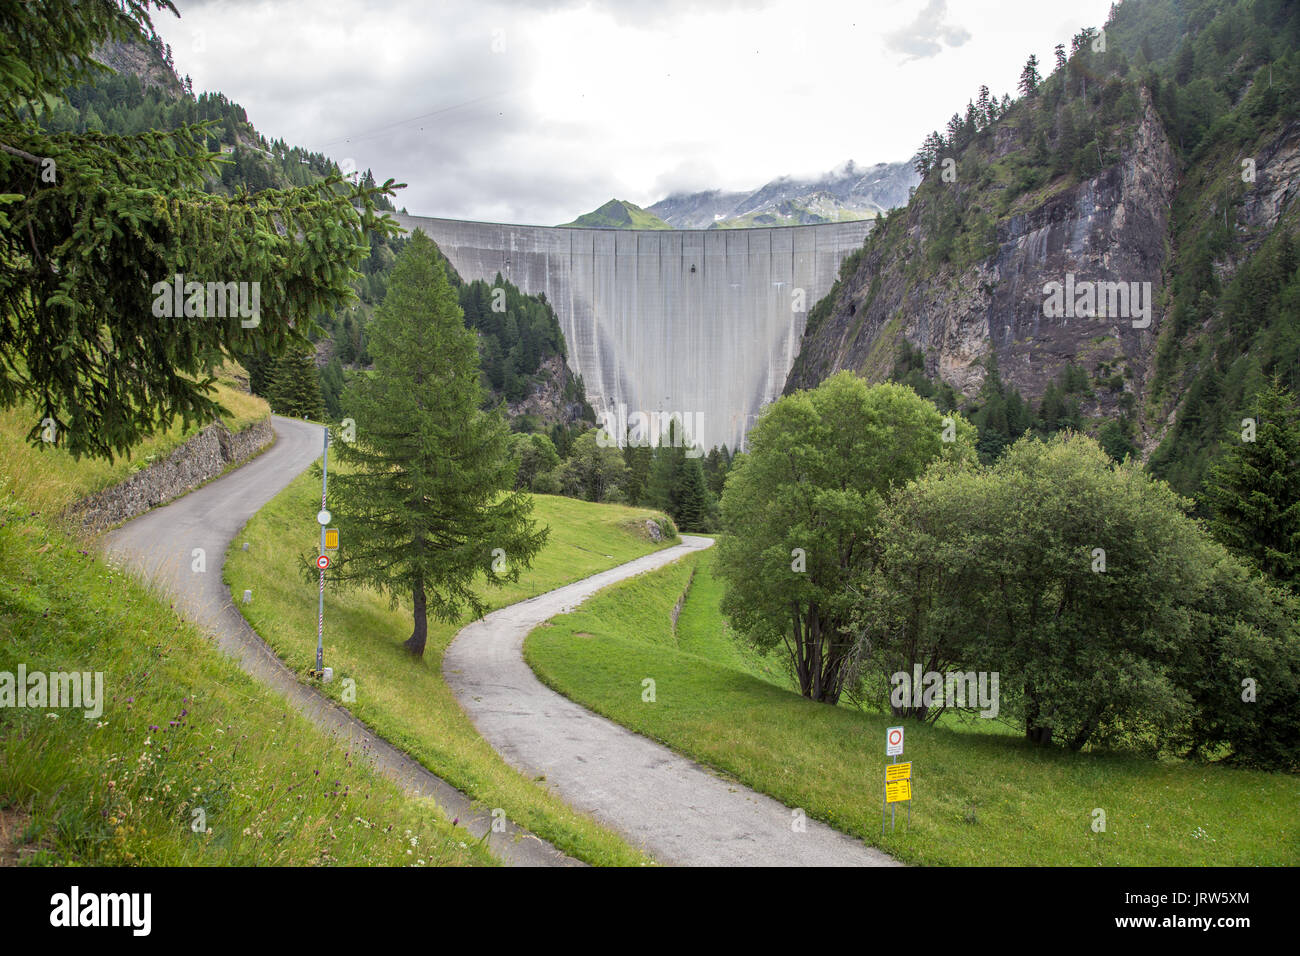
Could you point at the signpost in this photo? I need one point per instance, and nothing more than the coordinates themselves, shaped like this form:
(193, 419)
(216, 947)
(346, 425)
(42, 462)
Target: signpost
(322, 518)
(898, 778)
(898, 771)
(893, 741)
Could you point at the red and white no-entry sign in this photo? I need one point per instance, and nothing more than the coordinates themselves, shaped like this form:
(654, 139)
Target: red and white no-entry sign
(893, 741)
(323, 562)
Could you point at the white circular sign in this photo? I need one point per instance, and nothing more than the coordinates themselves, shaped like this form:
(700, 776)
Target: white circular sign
(323, 517)
(893, 741)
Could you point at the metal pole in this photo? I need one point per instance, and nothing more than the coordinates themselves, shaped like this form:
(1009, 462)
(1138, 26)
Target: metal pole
(320, 612)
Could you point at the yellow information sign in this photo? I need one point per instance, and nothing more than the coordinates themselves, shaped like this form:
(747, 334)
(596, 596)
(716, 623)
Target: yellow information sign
(331, 539)
(896, 791)
(898, 771)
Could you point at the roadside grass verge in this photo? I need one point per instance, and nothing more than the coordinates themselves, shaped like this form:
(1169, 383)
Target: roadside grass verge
(406, 701)
(47, 480)
(182, 730)
(981, 798)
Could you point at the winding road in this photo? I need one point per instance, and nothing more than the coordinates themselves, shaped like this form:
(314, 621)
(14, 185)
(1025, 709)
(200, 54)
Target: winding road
(676, 810)
(673, 808)
(160, 546)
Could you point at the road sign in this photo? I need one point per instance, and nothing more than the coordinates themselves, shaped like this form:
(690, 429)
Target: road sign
(897, 791)
(331, 539)
(898, 771)
(323, 562)
(323, 517)
(893, 741)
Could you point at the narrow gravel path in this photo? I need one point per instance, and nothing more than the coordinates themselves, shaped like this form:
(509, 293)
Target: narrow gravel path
(676, 810)
(160, 545)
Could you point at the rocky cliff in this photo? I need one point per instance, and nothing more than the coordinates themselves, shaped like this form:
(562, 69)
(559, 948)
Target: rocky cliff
(1156, 171)
(1109, 227)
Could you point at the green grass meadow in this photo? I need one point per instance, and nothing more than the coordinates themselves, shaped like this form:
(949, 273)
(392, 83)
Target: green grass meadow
(48, 479)
(183, 729)
(981, 797)
(406, 701)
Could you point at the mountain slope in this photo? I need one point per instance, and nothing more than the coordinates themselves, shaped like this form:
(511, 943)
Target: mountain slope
(618, 214)
(847, 192)
(1123, 166)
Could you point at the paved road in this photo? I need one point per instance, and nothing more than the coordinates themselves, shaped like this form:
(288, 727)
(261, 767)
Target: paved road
(675, 809)
(160, 546)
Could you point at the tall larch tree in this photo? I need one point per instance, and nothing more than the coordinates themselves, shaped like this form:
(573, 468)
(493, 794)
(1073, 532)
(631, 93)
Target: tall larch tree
(425, 501)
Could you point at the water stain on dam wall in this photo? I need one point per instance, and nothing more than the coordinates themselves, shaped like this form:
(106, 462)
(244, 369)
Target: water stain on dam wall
(701, 322)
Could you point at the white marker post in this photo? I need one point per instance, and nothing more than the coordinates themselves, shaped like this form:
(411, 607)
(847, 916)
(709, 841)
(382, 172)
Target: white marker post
(323, 519)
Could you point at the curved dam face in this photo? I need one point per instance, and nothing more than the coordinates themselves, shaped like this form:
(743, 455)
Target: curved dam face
(702, 323)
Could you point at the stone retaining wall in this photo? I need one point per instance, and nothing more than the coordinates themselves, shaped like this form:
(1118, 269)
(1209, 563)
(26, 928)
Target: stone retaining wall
(202, 458)
(681, 599)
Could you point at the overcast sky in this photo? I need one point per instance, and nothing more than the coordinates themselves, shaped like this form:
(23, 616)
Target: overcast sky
(535, 111)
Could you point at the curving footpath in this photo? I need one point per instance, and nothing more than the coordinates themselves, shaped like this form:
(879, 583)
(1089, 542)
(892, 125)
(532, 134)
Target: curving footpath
(670, 806)
(160, 545)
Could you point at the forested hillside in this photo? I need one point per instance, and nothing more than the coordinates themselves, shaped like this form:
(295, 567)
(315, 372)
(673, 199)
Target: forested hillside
(521, 347)
(1163, 148)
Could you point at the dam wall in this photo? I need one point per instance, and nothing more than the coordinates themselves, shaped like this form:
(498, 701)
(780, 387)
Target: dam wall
(706, 323)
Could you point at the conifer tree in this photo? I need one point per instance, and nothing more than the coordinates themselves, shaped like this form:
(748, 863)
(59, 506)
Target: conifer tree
(984, 105)
(426, 502)
(1254, 490)
(91, 224)
(638, 458)
(294, 386)
(694, 508)
(1029, 78)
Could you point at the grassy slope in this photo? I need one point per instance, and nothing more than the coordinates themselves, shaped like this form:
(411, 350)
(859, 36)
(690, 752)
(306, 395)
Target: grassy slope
(407, 702)
(618, 214)
(182, 728)
(49, 479)
(981, 798)
(274, 789)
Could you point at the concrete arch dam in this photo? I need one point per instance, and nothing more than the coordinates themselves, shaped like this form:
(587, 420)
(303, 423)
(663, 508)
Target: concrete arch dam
(705, 323)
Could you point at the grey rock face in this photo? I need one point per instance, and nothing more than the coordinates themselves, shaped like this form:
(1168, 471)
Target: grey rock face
(1111, 227)
(702, 323)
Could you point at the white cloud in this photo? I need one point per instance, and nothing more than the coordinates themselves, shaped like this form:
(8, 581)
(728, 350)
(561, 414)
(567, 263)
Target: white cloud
(928, 34)
(539, 111)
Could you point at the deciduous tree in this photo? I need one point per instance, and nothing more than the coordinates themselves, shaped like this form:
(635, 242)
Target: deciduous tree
(800, 508)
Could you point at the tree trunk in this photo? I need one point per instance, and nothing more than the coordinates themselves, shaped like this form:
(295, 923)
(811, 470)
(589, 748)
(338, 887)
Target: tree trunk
(801, 667)
(1035, 733)
(420, 632)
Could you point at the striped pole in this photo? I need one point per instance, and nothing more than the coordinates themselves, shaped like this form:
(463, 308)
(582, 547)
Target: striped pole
(320, 612)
